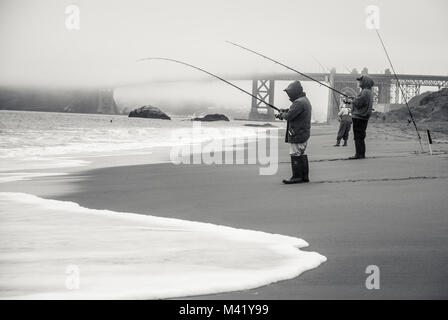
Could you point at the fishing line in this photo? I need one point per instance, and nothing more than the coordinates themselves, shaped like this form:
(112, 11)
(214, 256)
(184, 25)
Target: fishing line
(336, 100)
(283, 65)
(401, 89)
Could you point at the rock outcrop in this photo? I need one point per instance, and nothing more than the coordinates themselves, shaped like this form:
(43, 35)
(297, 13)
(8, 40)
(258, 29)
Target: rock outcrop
(149, 112)
(212, 117)
(426, 107)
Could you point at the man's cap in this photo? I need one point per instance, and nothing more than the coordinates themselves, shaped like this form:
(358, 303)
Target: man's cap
(294, 84)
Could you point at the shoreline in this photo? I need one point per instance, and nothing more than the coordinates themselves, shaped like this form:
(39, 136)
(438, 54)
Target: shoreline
(118, 255)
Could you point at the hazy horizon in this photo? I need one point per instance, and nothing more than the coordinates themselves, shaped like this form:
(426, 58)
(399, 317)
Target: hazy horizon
(38, 49)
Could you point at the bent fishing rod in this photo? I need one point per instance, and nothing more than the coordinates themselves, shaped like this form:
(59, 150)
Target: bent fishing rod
(401, 89)
(213, 75)
(289, 68)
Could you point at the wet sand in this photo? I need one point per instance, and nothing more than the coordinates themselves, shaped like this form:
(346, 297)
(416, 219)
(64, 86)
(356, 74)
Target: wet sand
(389, 210)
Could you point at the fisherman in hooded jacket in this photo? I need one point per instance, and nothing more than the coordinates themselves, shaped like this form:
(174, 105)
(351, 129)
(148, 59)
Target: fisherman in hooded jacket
(298, 126)
(361, 112)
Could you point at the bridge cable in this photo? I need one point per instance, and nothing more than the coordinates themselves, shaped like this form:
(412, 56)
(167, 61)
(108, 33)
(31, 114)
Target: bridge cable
(213, 75)
(401, 89)
(329, 71)
(277, 62)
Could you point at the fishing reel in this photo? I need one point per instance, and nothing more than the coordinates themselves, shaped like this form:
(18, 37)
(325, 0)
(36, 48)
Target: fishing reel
(279, 115)
(348, 100)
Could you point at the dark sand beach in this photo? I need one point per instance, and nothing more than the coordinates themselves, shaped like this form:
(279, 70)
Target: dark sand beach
(388, 210)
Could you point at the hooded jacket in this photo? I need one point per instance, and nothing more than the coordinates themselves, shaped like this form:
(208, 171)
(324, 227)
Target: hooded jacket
(298, 116)
(362, 105)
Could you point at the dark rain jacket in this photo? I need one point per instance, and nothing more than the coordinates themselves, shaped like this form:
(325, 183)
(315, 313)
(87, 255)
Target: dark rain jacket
(298, 116)
(362, 104)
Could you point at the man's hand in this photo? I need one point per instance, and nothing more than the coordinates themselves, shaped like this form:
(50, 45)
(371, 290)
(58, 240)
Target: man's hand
(281, 114)
(348, 100)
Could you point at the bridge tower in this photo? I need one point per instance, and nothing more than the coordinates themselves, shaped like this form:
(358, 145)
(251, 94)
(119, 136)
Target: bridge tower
(263, 89)
(384, 89)
(333, 104)
(409, 91)
(106, 102)
(343, 83)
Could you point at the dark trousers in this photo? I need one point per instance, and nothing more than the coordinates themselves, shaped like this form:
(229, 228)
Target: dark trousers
(359, 132)
(344, 129)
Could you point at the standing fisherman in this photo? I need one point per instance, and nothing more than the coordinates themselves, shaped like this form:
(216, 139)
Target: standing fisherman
(345, 122)
(298, 126)
(361, 111)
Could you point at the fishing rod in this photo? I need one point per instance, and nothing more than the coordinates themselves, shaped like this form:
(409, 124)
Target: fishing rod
(277, 62)
(214, 75)
(401, 89)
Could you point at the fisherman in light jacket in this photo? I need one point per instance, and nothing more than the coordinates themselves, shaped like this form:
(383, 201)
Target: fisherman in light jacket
(345, 123)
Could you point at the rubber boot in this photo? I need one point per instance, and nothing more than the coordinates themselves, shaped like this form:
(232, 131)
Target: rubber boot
(338, 142)
(358, 150)
(297, 170)
(345, 143)
(362, 151)
(305, 168)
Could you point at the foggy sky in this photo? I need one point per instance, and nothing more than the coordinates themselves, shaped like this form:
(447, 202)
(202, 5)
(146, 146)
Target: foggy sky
(37, 49)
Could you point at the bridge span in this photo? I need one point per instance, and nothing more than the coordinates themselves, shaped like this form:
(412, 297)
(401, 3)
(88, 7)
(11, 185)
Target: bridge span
(386, 90)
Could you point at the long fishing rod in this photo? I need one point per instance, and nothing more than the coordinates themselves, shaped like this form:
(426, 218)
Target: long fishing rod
(214, 75)
(283, 65)
(401, 89)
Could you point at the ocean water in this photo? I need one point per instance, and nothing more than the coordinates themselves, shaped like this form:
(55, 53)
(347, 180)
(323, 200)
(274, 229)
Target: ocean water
(44, 140)
(43, 134)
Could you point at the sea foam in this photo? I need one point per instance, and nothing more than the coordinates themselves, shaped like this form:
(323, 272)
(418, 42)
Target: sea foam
(119, 255)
